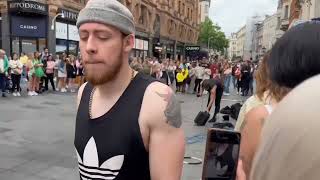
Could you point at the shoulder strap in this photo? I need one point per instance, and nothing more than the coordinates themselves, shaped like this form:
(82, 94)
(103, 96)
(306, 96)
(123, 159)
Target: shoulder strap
(269, 108)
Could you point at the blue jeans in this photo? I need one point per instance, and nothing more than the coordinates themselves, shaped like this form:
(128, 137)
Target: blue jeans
(234, 82)
(3, 83)
(227, 80)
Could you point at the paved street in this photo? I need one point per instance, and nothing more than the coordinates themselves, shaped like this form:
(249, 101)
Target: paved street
(36, 137)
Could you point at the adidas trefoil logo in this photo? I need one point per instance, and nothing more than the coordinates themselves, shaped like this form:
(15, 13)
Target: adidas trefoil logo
(89, 167)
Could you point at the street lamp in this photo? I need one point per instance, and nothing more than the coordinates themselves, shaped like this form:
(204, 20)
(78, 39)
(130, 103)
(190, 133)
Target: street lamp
(54, 20)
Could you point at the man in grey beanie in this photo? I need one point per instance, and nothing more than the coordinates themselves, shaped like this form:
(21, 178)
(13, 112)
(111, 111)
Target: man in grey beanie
(128, 125)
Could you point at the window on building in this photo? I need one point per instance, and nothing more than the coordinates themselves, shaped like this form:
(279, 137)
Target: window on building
(183, 9)
(61, 46)
(206, 9)
(15, 45)
(286, 12)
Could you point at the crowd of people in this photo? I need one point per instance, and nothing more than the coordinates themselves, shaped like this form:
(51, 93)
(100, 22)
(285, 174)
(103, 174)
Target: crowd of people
(36, 70)
(187, 76)
(66, 73)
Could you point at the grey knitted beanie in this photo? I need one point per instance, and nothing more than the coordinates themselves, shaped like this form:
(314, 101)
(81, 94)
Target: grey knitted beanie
(109, 12)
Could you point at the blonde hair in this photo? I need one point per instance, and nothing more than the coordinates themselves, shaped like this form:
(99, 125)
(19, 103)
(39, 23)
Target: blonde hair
(264, 83)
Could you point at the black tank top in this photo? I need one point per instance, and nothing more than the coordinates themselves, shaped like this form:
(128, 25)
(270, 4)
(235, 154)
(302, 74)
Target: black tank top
(111, 146)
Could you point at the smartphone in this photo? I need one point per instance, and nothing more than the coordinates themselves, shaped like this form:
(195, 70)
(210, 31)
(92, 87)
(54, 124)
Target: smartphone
(221, 156)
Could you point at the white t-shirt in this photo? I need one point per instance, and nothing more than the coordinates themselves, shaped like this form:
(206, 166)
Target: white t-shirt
(199, 71)
(1, 65)
(207, 73)
(15, 65)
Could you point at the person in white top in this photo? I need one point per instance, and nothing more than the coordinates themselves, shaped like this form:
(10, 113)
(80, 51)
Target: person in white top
(171, 72)
(16, 71)
(198, 72)
(207, 72)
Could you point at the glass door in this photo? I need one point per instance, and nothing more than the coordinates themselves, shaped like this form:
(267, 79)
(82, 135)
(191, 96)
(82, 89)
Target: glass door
(28, 45)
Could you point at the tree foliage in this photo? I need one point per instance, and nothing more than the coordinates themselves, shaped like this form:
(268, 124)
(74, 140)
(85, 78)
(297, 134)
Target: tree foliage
(209, 30)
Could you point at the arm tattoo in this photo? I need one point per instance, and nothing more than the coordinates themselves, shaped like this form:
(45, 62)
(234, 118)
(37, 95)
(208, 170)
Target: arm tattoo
(173, 109)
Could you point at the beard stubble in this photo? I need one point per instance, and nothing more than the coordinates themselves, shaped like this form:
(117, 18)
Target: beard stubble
(106, 75)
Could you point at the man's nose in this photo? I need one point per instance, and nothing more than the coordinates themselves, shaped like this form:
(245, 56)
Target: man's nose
(91, 47)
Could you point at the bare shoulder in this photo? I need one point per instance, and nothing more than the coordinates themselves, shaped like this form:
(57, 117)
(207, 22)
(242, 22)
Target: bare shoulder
(80, 91)
(161, 107)
(255, 118)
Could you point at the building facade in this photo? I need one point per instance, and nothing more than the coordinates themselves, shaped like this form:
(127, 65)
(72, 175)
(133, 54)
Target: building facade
(204, 9)
(163, 27)
(167, 26)
(269, 31)
(232, 50)
(241, 39)
(310, 9)
(29, 26)
(284, 6)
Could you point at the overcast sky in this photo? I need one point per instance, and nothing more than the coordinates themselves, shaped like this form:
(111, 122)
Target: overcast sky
(231, 15)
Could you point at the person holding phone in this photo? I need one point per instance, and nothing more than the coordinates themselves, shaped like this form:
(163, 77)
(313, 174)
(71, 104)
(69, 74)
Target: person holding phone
(215, 89)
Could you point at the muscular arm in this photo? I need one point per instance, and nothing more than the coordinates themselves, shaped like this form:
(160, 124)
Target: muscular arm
(161, 112)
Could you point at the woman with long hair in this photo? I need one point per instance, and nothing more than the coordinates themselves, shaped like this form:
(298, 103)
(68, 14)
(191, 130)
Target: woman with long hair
(38, 68)
(62, 74)
(31, 75)
(71, 73)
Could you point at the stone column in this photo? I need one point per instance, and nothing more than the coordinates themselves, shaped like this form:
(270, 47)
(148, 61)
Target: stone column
(6, 33)
(51, 36)
(150, 52)
(175, 49)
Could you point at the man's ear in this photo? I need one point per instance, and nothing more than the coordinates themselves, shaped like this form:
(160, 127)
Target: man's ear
(128, 43)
